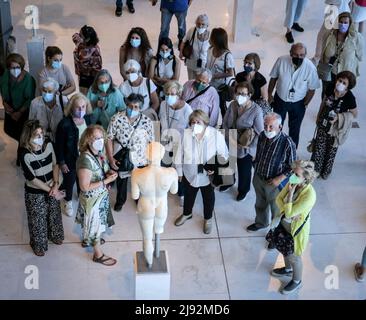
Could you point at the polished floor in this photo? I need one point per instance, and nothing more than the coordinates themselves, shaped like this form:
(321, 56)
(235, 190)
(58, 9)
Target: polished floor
(227, 264)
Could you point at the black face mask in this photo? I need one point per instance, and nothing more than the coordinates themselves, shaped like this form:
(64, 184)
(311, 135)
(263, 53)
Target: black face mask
(297, 61)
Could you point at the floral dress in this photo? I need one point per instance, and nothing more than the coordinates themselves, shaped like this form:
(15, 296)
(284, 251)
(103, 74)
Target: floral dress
(94, 211)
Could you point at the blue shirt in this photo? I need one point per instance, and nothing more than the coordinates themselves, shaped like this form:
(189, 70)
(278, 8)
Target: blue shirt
(174, 5)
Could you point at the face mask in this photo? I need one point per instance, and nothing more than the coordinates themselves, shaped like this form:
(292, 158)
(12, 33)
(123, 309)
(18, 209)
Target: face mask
(47, 96)
(165, 55)
(15, 72)
(79, 114)
(343, 27)
(270, 134)
(104, 87)
(198, 129)
(201, 30)
(297, 61)
(135, 43)
(248, 69)
(38, 141)
(56, 64)
(98, 144)
(133, 77)
(242, 100)
(200, 86)
(132, 113)
(340, 87)
(171, 100)
(294, 179)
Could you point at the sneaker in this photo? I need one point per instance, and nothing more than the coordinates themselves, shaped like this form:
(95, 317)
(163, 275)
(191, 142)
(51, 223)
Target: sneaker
(240, 197)
(68, 208)
(297, 27)
(117, 207)
(289, 37)
(118, 11)
(182, 219)
(281, 272)
(359, 272)
(207, 226)
(131, 8)
(292, 286)
(271, 246)
(181, 201)
(224, 188)
(254, 227)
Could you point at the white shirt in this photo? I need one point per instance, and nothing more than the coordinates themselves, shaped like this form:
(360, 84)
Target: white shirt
(216, 65)
(194, 152)
(126, 89)
(301, 81)
(165, 70)
(200, 49)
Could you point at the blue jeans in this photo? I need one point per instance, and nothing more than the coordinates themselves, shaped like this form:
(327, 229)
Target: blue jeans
(294, 10)
(166, 18)
(119, 3)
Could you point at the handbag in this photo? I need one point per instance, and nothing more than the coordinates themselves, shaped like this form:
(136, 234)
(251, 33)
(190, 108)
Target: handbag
(225, 90)
(246, 136)
(187, 50)
(325, 71)
(311, 144)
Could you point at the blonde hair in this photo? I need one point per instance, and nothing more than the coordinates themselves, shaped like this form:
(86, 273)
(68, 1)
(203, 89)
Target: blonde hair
(76, 97)
(87, 136)
(308, 169)
(30, 126)
(199, 115)
(173, 85)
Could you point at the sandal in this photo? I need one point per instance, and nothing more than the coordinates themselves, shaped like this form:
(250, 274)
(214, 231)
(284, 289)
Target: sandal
(85, 245)
(103, 259)
(38, 253)
(58, 242)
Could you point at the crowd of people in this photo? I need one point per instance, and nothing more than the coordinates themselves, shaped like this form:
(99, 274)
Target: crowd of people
(94, 138)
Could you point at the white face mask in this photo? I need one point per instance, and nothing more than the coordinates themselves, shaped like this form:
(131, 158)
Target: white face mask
(270, 134)
(341, 87)
(133, 76)
(38, 141)
(201, 30)
(98, 144)
(171, 100)
(165, 55)
(242, 100)
(15, 72)
(198, 128)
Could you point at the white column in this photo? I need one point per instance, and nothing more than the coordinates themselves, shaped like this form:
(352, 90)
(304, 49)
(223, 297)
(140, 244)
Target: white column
(242, 20)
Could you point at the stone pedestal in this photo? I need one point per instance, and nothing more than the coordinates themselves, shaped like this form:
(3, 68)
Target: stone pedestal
(35, 52)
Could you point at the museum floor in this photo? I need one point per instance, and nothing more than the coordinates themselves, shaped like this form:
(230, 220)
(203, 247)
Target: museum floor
(227, 264)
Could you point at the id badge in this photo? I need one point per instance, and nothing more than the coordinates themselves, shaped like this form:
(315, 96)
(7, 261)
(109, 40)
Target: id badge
(291, 94)
(199, 63)
(325, 122)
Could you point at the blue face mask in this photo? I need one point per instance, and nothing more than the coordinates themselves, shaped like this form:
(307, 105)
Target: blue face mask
(104, 86)
(56, 64)
(132, 113)
(248, 69)
(47, 96)
(135, 43)
(294, 179)
(343, 27)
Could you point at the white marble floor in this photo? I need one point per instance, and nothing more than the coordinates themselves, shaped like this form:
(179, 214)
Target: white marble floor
(229, 263)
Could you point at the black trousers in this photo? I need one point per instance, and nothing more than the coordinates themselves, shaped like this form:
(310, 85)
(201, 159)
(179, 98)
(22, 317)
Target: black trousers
(68, 184)
(244, 174)
(208, 196)
(121, 191)
(296, 112)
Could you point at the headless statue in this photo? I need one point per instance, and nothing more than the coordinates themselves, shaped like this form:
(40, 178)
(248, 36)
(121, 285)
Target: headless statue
(150, 185)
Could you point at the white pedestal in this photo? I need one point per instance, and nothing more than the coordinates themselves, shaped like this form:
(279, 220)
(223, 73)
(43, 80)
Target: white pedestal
(154, 283)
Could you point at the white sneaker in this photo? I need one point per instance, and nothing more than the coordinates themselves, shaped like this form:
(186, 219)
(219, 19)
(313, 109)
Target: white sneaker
(181, 201)
(68, 208)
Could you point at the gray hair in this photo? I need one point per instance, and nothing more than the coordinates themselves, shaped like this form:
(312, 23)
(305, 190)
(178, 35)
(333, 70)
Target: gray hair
(132, 64)
(273, 115)
(299, 45)
(50, 82)
(204, 72)
(204, 18)
(173, 85)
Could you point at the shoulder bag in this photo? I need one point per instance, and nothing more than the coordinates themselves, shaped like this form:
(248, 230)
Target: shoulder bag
(188, 46)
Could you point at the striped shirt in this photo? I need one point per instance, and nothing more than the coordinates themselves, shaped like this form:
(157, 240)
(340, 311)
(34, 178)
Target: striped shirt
(38, 164)
(274, 156)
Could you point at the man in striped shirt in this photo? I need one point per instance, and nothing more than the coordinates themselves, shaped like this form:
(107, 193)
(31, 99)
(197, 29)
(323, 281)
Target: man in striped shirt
(275, 153)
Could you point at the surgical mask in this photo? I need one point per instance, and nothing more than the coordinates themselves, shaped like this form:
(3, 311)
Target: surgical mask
(198, 128)
(164, 55)
(104, 87)
(201, 30)
(343, 27)
(135, 43)
(15, 72)
(200, 86)
(132, 113)
(98, 144)
(56, 64)
(171, 100)
(38, 141)
(242, 99)
(133, 76)
(47, 96)
(297, 61)
(248, 69)
(270, 134)
(294, 179)
(79, 114)
(340, 87)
